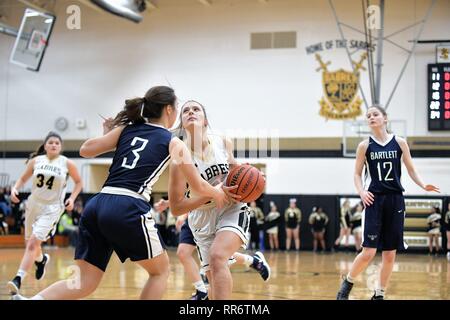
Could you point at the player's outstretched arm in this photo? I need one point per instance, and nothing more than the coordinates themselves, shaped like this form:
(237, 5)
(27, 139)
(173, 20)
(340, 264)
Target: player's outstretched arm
(97, 146)
(182, 160)
(412, 172)
(178, 203)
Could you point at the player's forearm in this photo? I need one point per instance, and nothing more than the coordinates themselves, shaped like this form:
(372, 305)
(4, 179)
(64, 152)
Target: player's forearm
(416, 178)
(185, 205)
(204, 189)
(76, 190)
(19, 184)
(358, 183)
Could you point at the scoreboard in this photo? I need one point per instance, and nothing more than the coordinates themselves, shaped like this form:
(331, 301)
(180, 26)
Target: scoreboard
(439, 96)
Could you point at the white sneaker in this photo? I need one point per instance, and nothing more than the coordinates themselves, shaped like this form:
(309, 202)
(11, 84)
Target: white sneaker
(448, 256)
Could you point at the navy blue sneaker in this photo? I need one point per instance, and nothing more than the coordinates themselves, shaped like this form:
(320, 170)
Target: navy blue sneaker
(345, 289)
(260, 264)
(199, 295)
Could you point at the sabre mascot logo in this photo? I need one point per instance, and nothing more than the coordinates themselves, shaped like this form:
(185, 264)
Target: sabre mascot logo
(340, 100)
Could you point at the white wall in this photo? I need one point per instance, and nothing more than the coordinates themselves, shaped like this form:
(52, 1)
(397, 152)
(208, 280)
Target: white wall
(335, 176)
(301, 176)
(204, 53)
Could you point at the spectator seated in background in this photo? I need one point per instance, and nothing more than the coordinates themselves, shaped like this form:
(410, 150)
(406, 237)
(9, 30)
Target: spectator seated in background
(67, 228)
(4, 202)
(3, 224)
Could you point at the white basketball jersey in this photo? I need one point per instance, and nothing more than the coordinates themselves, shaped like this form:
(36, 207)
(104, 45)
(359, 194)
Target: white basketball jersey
(49, 179)
(213, 166)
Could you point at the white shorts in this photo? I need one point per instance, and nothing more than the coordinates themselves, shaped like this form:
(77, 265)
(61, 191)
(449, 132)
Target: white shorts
(41, 219)
(273, 230)
(205, 224)
(435, 231)
(357, 230)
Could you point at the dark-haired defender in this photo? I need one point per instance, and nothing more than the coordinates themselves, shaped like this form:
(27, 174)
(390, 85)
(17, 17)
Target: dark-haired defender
(118, 218)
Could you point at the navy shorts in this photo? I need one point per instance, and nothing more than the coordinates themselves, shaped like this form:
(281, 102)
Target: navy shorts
(117, 223)
(383, 222)
(186, 235)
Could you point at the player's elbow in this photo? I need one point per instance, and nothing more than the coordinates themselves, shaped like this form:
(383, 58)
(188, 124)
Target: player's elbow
(86, 151)
(176, 209)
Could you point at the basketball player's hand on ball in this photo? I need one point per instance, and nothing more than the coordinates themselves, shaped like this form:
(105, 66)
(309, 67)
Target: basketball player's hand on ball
(367, 198)
(430, 187)
(69, 204)
(15, 195)
(221, 198)
(231, 196)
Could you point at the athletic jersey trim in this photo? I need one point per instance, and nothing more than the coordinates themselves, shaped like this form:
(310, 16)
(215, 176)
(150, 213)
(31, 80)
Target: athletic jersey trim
(125, 192)
(390, 137)
(156, 125)
(146, 188)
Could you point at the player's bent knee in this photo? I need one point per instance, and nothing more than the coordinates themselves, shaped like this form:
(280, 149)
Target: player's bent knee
(183, 254)
(217, 260)
(368, 254)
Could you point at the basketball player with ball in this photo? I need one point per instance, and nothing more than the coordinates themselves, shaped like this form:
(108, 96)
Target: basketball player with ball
(218, 233)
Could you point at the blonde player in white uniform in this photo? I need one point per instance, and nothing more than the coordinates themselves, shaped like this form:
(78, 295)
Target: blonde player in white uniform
(45, 204)
(218, 233)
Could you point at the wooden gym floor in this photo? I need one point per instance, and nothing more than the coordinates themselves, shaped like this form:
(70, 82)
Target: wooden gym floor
(301, 275)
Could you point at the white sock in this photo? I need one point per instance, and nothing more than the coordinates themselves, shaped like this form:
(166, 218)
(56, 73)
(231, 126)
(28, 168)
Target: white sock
(200, 286)
(37, 297)
(39, 258)
(21, 273)
(350, 279)
(379, 292)
(248, 260)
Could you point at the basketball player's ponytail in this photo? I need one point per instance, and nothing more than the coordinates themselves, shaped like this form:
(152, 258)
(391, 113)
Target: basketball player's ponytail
(131, 112)
(138, 110)
(41, 149)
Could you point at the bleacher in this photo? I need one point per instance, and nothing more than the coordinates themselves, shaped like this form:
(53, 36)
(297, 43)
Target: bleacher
(417, 212)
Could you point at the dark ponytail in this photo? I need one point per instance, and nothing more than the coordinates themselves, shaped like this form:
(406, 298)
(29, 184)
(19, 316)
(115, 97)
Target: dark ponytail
(41, 149)
(151, 106)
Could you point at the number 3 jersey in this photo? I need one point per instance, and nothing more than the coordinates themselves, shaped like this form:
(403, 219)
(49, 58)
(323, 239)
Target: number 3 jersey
(385, 167)
(49, 179)
(141, 156)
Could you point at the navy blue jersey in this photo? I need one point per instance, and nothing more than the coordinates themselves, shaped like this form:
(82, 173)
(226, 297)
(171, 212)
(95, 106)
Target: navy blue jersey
(141, 156)
(385, 168)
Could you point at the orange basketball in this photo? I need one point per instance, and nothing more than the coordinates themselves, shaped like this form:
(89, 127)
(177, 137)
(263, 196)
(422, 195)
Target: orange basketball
(250, 182)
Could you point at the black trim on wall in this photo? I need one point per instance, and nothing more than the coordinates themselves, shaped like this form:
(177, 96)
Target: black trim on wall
(25, 155)
(247, 154)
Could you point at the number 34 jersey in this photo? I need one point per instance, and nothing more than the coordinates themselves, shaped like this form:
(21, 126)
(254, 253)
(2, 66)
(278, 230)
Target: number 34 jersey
(142, 155)
(385, 167)
(49, 179)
